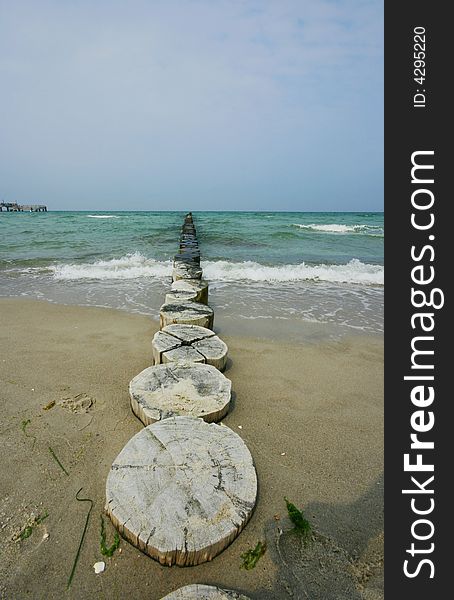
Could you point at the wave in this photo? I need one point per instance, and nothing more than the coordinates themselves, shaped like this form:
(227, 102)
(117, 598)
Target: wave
(133, 266)
(130, 266)
(340, 228)
(103, 217)
(354, 271)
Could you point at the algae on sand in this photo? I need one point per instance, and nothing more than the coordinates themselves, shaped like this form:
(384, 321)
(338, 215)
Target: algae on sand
(302, 525)
(108, 550)
(251, 557)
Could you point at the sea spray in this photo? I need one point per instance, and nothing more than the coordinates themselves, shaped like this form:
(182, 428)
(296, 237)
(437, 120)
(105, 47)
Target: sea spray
(136, 265)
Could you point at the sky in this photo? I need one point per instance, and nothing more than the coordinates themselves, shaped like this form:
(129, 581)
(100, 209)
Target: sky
(192, 104)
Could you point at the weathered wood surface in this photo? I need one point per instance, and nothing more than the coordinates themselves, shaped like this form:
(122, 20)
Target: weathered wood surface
(188, 250)
(189, 242)
(186, 354)
(181, 296)
(188, 231)
(196, 344)
(190, 313)
(214, 350)
(186, 271)
(188, 256)
(181, 490)
(199, 591)
(188, 333)
(176, 388)
(162, 342)
(199, 285)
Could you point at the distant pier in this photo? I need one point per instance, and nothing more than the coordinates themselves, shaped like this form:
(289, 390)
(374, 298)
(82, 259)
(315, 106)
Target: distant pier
(14, 207)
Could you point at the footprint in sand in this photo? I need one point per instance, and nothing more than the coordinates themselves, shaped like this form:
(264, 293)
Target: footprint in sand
(77, 404)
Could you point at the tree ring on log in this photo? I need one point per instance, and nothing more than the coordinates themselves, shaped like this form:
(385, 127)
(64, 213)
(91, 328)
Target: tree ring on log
(189, 313)
(181, 490)
(181, 296)
(189, 285)
(200, 339)
(171, 389)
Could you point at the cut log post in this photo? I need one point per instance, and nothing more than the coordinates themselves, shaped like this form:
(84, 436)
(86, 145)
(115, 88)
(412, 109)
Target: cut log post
(188, 251)
(192, 260)
(181, 296)
(214, 351)
(188, 333)
(189, 230)
(190, 313)
(189, 243)
(186, 271)
(191, 237)
(198, 591)
(162, 342)
(185, 354)
(199, 285)
(188, 258)
(192, 389)
(207, 346)
(181, 490)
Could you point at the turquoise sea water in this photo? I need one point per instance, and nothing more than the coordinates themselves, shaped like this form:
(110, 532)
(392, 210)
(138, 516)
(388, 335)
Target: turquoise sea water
(297, 267)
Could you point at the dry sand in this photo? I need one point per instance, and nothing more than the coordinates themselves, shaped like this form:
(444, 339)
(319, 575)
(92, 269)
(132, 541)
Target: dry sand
(312, 416)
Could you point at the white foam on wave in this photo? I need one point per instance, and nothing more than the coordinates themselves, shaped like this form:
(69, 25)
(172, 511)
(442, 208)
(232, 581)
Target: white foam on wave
(133, 266)
(130, 266)
(103, 217)
(340, 228)
(354, 271)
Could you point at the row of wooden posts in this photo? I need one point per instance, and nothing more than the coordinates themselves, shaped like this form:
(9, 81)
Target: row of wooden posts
(183, 488)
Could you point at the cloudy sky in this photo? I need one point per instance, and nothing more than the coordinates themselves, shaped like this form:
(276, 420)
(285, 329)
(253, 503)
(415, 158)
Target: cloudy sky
(192, 104)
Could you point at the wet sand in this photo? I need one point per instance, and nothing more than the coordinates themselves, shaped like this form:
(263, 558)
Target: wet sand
(310, 413)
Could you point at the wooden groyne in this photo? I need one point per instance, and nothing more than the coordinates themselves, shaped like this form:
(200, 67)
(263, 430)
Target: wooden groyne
(14, 207)
(204, 592)
(183, 488)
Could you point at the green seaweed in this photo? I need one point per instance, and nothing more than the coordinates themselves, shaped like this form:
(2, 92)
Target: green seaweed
(251, 557)
(26, 532)
(58, 462)
(302, 525)
(39, 519)
(108, 550)
(73, 570)
(24, 426)
(28, 529)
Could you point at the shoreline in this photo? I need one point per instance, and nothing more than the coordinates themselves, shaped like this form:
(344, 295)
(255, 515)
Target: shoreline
(271, 328)
(311, 414)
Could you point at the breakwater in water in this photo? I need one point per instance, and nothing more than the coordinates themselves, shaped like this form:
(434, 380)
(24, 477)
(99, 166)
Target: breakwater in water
(183, 488)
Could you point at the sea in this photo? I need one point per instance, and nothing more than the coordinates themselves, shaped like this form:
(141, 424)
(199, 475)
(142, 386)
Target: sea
(284, 274)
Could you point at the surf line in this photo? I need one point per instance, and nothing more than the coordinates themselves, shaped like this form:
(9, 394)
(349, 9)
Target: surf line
(425, 300)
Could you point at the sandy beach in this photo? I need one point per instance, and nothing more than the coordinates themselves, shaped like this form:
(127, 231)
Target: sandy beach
(310, 413)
